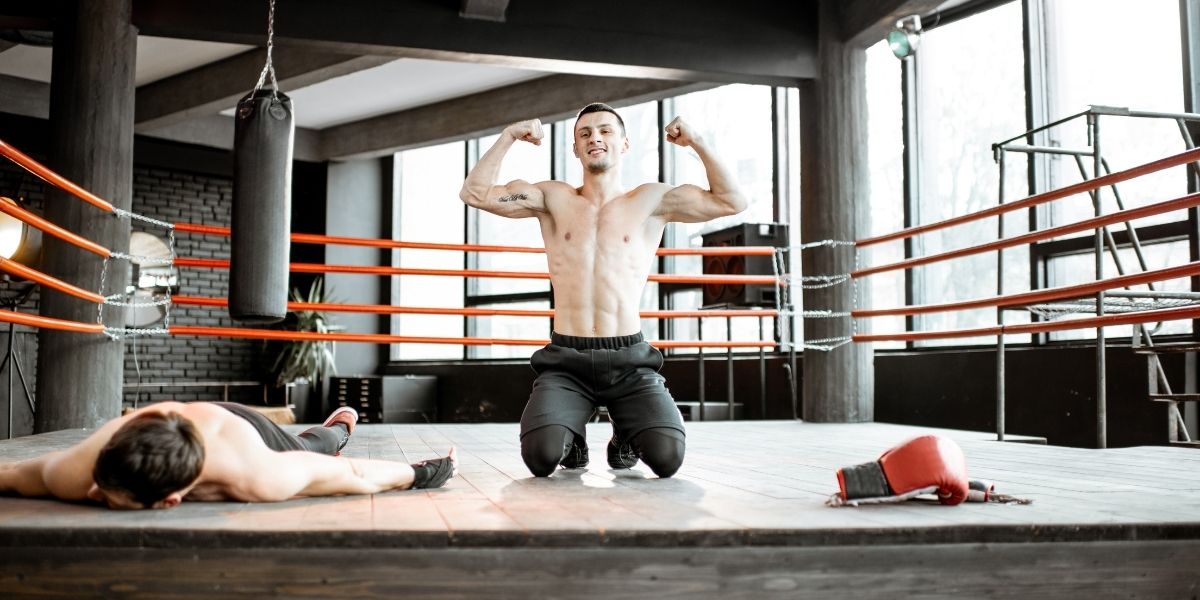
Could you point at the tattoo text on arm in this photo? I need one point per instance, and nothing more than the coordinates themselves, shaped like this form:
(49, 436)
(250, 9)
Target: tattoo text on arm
(513, 197)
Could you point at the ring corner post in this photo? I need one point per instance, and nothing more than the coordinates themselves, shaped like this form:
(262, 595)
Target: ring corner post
(79, 378)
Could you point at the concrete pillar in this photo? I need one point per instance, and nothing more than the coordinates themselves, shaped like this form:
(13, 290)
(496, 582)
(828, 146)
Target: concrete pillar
(356, 198)
(837, 386)
(91, 121)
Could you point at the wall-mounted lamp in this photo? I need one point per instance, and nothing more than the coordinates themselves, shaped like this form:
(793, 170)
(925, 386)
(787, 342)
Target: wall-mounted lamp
(19, 242)
(904, 39)
(22, 244)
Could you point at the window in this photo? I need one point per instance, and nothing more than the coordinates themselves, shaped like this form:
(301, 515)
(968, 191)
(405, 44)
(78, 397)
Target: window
(530, 163)
(428, 210)
(885, 143)
(969, 95)
(735, 121)
(1142, 72)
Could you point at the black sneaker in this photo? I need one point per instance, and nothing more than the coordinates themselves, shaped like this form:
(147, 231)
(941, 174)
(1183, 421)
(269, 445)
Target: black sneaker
(577, 455)
(621, 454)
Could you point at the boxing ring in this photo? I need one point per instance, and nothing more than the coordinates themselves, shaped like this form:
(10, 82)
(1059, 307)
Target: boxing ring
(743, 518)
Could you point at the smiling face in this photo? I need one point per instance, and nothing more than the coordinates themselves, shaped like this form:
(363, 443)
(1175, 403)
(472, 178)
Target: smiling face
(599, 141)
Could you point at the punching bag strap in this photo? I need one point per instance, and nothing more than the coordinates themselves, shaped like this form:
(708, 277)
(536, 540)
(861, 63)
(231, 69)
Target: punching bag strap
(269, 67)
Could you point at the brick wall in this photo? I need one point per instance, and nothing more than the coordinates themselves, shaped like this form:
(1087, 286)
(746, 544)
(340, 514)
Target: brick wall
(183, 197)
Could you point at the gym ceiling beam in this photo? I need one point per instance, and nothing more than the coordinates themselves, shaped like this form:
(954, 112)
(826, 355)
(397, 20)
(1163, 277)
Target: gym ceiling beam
(751, 41)
(209, 89)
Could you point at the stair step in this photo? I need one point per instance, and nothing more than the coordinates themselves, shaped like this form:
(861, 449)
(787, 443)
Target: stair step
(1168, 348)
(1175, 397)
(1191, 444)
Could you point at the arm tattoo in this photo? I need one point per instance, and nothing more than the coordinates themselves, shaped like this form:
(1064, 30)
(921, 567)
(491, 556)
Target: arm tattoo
(513, 197)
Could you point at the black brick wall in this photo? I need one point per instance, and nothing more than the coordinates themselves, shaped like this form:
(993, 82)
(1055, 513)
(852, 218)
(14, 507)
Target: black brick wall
(177, 196)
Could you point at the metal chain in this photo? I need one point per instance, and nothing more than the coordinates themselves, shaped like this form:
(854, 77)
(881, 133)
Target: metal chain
(120, 212)
(830, 243)
(112, 301)
(826, 344)
(269, 67)
(103, 276)
(118, 333)
(145, 261)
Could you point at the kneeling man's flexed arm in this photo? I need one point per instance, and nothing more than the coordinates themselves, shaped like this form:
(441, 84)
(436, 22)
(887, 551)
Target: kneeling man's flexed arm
(692, 203)
(517, 199)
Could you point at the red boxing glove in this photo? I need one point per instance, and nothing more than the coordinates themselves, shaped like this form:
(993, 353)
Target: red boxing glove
(922, 462)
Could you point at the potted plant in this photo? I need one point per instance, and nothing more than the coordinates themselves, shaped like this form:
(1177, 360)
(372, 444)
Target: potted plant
(304, 365)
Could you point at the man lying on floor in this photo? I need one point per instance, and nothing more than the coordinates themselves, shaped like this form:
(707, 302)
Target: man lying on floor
(162, 454)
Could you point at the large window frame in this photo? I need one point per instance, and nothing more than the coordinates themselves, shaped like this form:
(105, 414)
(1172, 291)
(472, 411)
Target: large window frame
(784, 123)
(1038, 83)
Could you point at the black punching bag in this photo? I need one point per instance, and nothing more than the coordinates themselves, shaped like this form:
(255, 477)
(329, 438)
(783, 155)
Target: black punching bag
(262, 207)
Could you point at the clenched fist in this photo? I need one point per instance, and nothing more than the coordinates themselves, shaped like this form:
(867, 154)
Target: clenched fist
(529, 131)
(680, 133)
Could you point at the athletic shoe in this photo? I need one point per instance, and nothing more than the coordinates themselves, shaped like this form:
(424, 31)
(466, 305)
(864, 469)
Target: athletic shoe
(621, 454)
(345, 415)
(433, 473)
(577, 455)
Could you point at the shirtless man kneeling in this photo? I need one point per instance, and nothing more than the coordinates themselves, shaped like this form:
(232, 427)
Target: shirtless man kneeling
(600, 242)
(168, 452)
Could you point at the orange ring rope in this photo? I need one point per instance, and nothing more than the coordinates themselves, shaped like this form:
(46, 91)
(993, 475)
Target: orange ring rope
(312, 238)
(53, 178)
(1085, 186)
(381, 338)
(1148, 316)
(10, 316)
(220, 263)
(20, 270)
(470, 312)
(1033, 297)
(20, 318)
(1187, 201)
(714, 344)
(12, 209)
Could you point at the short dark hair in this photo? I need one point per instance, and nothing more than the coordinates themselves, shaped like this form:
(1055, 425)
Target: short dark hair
(151, 456)
(600, 107)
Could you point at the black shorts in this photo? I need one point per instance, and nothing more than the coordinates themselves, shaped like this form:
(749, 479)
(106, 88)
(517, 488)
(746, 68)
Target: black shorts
(578, 374)
(272, 435)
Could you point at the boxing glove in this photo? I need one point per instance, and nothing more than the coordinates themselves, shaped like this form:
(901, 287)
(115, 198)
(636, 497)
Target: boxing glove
(924, 462)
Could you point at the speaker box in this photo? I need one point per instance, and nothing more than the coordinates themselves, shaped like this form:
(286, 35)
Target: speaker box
(740, 295)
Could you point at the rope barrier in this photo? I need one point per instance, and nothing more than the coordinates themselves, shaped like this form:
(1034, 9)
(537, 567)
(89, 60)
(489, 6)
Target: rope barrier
(1149, 316)
(218, 263)
(312, 238)
(1071, 291)
(20, 318)
(1037, 199)
(780, 279)
(1181, 203)
(474, 312)
(20, 270)
(12, 209)
(53, 178)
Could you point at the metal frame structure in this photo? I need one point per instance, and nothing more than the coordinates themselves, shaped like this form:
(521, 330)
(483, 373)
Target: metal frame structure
(1103, 239)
